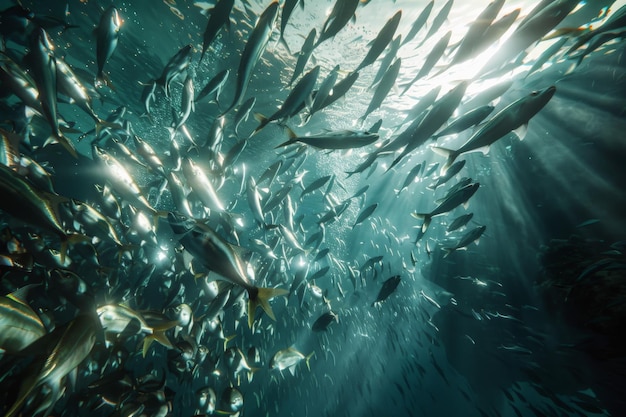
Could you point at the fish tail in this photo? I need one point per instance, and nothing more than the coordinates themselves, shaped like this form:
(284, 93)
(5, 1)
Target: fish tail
(307, 359)
(261, 297)
(447, 251)
(448, 153)
(63, 141)
(158, 335)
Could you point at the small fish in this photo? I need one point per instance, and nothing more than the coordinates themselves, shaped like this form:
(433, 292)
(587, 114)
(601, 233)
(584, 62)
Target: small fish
(457, 198)
(365, 213)
(467, 239)
(389, 286)
(323, 321)
(288, 359)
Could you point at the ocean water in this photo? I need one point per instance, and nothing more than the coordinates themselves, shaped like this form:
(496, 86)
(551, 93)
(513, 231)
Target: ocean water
(525, 321)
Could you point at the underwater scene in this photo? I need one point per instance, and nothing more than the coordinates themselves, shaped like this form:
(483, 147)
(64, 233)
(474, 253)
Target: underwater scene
(312, 208)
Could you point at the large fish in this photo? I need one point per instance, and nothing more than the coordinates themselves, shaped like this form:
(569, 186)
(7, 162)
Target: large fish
(221, 257)
(461, 196)
(381, 41)
(304, 55)
(19, 324)
(107, 35)
(342, 139)
(257, 42)
(176, 65)
(383, 88)
(419, 22)
(342, 12)
(440, 112)
(294, 101)
(512, 117)
(43, 67)
(219, 16)
(69, 346)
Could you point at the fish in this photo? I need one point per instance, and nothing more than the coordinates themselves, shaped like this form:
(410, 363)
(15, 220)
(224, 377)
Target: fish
(466, 240)
(317, 184)
(447, 176)
(513, 116)
(529, 31)
(459, 222)
(461, 196)
(290, 107)
(303, 56)
(19, 324)
(43, 65)
(388, 288)
(340, 89)
(342, 12)
(176, 65)
(257, 42)
(342, 139)
(469, 119)
(288, 8)
(419, 23)
(221, 257)
(431, 59)
(243, 112)
(38, 208)
(116, 318)
(411, 177)
(67, 347)
(438, 20)
(439, 113)
(288, 359)
(391, 54)
(381, 41)
(383, 88)
(468, 45)
(214, 85)
(219, 16)
(365, 213)
(320, 95)
(107, 36)
(323, 321)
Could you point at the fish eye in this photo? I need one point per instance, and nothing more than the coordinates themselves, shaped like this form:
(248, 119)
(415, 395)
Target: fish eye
(534, 93)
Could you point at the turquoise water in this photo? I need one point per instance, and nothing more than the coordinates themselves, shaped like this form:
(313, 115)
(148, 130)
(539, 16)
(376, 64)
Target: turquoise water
(524, 320)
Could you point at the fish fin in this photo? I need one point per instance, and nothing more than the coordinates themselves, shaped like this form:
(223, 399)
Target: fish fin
(447, 251)
(260, 297)
(63, 141)
(521, 131)
(448, 153)
(158, 335)
(307, 359)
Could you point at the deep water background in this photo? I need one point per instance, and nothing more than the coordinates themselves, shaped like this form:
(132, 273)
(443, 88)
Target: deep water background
(495, 346)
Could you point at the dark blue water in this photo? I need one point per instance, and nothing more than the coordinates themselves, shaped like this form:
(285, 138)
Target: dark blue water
(526, 321)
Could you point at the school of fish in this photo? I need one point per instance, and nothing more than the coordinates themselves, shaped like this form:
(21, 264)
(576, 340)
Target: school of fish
(199, 261)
